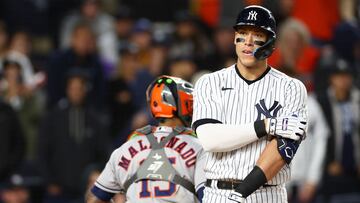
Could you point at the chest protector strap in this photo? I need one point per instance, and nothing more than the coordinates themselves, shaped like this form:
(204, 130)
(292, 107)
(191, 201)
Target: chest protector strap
(157, 165)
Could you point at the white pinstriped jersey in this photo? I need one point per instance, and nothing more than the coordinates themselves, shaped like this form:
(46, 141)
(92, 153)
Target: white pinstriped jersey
(227, 97)
(184, 152)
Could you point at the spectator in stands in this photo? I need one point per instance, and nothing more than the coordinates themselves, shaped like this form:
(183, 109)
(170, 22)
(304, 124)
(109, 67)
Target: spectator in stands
(141, 42)
(27, 103)
(341, 105)
(19, 50)
(308, 164)
(83, 55)
(124, 26)
(4, 41)
(12, 145)
(156, 10)
(183, 68)
(224, 51)
(101, 23)
(14, 190)
(346, 41)
(141, 39)
(121, 98)
(189, 40)
(294, 51)
(73, 137)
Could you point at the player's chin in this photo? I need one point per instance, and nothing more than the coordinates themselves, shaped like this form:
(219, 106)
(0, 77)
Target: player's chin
(248, 61)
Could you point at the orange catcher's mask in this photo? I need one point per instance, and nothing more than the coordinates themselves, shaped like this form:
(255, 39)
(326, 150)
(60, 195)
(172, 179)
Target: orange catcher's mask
(170, 97)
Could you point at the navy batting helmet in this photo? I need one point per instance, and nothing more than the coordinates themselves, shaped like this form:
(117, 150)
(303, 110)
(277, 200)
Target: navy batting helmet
(260, 17)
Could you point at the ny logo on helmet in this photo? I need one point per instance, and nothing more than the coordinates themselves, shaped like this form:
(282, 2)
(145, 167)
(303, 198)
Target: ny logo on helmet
(252, 15)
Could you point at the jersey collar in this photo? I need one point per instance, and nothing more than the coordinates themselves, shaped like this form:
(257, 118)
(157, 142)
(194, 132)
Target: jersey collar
(249, 82)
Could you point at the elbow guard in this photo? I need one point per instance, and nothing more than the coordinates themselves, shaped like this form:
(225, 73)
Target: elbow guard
(287, 148)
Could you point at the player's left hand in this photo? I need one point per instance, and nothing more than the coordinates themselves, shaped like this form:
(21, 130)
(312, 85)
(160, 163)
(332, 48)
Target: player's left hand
(291, 127)
(236, 197)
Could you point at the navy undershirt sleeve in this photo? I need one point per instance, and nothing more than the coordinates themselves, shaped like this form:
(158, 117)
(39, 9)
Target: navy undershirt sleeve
(101, 194)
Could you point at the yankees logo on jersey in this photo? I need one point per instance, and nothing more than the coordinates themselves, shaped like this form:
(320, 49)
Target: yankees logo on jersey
(268, 113)
(227, 97)
(184, 153)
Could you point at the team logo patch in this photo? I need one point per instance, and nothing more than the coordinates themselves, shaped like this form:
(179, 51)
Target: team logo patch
(271, 112)
(252, 15)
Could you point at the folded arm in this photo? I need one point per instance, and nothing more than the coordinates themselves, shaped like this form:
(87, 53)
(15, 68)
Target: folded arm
(218, 137)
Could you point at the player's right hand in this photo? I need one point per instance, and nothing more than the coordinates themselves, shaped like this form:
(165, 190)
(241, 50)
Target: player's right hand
(236, 197)
(291, 127)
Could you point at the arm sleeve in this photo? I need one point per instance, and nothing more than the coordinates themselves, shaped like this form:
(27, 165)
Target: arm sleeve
(222, 137)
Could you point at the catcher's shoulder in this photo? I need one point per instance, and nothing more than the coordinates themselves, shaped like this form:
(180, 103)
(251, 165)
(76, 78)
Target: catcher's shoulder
(141, 132)
(190, 132)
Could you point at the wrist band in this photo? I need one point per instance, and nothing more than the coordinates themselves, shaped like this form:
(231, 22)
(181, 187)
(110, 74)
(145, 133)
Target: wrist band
(260, 128)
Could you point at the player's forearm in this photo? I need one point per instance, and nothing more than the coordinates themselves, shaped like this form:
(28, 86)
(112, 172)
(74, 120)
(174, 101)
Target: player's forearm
(217, 137)
(267, 166)
(270, 160)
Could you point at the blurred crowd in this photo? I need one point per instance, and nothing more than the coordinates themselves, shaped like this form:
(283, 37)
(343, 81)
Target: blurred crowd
(73, 76)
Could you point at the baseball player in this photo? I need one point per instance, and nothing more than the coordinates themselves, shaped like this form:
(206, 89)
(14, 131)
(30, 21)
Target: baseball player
(158, 164)
(250, 118)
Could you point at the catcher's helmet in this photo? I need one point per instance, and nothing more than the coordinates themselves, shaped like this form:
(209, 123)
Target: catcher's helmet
(260, 17)
(170, 97)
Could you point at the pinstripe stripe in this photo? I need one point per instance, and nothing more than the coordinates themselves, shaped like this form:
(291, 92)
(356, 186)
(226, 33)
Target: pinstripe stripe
(237, 106)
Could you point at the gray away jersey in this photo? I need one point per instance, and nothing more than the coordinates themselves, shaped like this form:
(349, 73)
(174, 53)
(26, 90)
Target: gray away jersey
(227, 97)
(186, 155)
